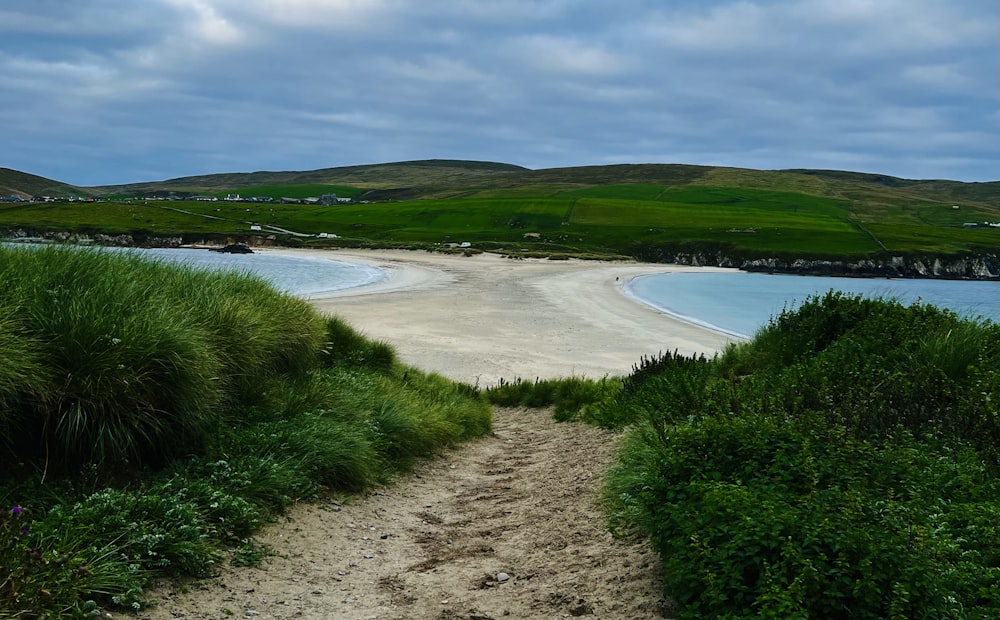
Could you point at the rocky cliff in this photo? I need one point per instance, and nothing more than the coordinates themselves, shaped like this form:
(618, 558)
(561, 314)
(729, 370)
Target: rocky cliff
(979, 267)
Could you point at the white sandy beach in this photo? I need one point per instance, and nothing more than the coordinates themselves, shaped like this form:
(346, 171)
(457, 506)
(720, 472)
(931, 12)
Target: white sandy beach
(481, 318)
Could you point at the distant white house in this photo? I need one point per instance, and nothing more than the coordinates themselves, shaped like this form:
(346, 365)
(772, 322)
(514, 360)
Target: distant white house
(255, 227)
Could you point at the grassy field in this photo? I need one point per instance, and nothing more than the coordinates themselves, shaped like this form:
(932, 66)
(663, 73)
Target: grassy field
(278, 192)
(606, 210)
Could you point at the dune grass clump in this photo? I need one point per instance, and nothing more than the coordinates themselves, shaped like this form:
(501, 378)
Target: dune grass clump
(135, 356)
(346, 346)
(21, 373)
(153, 416)
(571, 398)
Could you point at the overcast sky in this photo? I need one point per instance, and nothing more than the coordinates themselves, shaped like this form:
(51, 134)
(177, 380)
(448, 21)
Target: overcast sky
(114, 91)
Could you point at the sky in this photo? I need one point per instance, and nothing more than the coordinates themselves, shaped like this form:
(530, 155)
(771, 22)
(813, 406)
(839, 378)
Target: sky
(98, 92)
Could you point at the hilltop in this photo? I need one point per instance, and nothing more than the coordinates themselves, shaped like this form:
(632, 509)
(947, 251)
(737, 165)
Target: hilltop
(452, 173)
(25, 185)
(441, 178)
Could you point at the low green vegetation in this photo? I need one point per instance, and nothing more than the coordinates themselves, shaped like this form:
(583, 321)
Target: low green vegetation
(845, 463)
(152, 417)
(570, 398)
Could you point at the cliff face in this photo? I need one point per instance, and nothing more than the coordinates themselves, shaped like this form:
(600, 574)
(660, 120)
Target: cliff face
(984, 267)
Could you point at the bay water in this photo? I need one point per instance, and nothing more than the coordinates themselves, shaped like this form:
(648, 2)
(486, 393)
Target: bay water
(736, 303)
(739, 303)
(294, 274)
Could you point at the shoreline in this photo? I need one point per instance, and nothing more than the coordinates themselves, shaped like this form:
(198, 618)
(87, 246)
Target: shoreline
(628, 291)
(482, 318)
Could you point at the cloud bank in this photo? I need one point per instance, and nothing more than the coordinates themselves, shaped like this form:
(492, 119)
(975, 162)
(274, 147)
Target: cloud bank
(113, 91)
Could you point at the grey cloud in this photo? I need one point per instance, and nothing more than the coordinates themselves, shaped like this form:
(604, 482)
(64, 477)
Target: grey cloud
(121, 91)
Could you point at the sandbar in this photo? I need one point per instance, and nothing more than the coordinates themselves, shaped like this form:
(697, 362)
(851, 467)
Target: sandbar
(482, 318)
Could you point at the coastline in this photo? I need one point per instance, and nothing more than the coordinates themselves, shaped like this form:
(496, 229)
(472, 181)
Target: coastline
(628, 290)
(482, 318)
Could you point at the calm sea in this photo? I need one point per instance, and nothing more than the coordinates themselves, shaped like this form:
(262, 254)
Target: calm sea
(298, 275)
(739, 303)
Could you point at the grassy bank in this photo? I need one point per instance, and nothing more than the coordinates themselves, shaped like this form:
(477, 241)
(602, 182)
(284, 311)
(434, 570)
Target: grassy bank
(153, 417)
(845, 463)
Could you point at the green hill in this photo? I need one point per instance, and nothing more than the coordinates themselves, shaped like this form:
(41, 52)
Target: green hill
(653, 212)
(16, 183)
(458, 179)
(389, 175)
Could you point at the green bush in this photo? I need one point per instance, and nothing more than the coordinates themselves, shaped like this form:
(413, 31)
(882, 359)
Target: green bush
(22, 375)
(840, 465)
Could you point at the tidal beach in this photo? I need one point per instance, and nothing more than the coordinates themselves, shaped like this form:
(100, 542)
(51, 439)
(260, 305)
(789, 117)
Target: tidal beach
(482, 318)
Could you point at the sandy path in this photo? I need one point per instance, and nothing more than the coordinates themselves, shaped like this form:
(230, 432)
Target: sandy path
(521, 502)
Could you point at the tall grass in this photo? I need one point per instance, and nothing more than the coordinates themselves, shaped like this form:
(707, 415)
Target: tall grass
(571, 398)
(137, 355)
(218, 400)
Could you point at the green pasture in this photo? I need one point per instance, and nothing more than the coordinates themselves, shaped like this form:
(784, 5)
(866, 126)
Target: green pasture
(935, 240)
(637, 191)
(113, 217)
(599, 219)
(293, 191)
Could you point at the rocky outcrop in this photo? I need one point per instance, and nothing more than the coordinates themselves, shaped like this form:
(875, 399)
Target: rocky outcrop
(74, 238)
(978, 267)
(233, 248)
(947, 268)
(134, 240)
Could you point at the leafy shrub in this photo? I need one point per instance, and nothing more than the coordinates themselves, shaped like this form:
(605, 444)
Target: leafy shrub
(840, 465)
(160, 531)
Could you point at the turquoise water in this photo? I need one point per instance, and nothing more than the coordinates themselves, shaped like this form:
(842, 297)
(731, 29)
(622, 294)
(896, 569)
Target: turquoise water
(298, 275)
(738, 303)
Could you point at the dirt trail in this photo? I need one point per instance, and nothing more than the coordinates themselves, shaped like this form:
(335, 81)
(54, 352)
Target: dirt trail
(506, 526)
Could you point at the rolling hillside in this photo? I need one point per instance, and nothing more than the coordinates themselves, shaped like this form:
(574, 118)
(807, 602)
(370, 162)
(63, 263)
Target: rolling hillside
(459, 179)
(17, 183)
(652, 212)
(373, 176)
